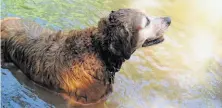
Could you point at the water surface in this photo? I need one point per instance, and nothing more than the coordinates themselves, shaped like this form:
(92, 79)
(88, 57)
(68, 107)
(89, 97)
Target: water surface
(185, 71)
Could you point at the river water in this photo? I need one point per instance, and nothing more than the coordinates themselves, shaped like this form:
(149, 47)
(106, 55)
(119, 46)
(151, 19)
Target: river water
(185, 71)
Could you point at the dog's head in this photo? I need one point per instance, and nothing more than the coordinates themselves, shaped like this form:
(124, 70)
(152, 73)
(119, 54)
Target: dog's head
(126, 30)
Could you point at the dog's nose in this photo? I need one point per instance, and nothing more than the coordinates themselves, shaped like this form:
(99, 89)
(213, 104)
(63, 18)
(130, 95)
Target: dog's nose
(168, 20)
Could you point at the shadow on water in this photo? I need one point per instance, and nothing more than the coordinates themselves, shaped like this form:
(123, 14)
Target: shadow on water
(184, 71)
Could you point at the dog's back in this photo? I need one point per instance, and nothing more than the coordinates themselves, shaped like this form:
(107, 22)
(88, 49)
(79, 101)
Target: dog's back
(9, 23)
(30, 47)
(17, 32)
(15, 26)
(64, 61)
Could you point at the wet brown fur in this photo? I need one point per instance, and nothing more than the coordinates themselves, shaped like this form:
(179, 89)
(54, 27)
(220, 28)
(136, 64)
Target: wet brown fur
(76, 63)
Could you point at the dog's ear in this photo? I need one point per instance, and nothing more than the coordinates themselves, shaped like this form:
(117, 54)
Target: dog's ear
(117, 38)
(102, 24)
(116, 35)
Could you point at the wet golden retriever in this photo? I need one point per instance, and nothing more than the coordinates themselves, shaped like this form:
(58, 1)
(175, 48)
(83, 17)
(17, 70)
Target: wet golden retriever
(80, 64)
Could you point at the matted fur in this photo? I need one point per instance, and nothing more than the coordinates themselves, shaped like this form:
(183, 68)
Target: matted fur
(80, 64)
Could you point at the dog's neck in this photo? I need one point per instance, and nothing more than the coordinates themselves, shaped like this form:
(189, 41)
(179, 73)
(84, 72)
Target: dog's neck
(95, 40)
(112, 61)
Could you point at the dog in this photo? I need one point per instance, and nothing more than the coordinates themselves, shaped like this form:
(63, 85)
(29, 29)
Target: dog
(79, 64)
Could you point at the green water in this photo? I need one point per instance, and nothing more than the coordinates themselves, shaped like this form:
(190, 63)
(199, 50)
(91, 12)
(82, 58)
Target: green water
(184, 71)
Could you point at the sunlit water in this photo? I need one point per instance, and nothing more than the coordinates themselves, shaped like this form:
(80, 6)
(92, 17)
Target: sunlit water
(184, 71)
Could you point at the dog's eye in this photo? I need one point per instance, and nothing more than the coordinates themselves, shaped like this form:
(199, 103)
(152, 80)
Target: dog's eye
(148, 21)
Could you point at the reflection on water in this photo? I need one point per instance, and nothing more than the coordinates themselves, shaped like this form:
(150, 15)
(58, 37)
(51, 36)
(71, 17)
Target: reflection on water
(184, 71)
